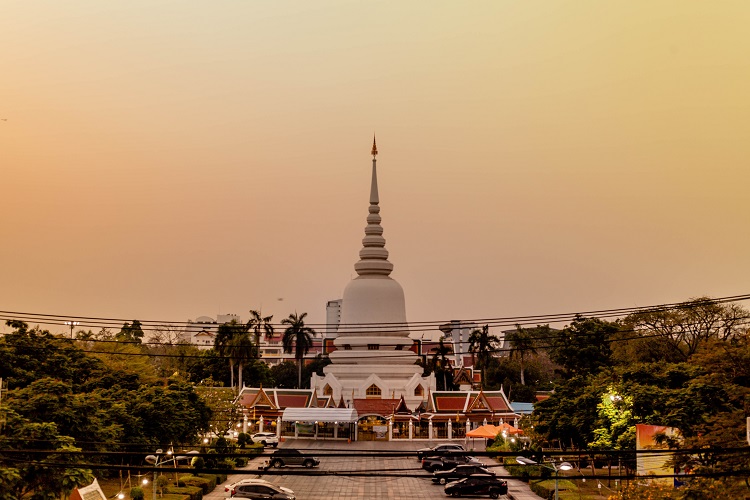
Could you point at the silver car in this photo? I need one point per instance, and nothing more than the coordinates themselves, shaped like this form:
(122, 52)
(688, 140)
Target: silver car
(261, 489)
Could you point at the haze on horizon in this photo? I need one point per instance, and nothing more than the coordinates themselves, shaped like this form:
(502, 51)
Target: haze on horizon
(167, 160)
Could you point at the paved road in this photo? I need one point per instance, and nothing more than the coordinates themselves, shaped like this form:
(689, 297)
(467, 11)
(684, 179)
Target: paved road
(329, 485)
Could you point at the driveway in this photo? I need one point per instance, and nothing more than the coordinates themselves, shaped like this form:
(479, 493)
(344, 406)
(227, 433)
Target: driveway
(328, 485)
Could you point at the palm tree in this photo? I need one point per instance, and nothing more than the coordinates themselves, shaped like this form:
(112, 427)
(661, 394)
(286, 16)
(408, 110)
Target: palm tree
(224, 345)
(297, 337)
(440, 361)
(241, 350)
(482, 344)
(259, 324)
(522, 342)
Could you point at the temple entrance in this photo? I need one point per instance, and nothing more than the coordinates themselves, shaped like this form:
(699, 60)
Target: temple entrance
(372, 428)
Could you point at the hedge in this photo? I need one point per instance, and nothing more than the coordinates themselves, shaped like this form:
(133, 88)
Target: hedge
(192, 492)
(219, 478)
(205, 484)
(546, 489)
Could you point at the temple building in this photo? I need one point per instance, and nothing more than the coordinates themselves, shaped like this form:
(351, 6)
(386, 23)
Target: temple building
(373, 389)
(373, 356)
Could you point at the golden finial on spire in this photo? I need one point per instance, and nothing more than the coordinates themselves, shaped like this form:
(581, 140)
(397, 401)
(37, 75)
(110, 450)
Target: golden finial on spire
(374, 151)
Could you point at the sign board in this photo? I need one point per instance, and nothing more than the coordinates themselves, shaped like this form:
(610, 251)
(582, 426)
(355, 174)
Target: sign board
(657, 463)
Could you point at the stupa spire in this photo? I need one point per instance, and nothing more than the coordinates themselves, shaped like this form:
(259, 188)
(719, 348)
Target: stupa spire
(373, 258)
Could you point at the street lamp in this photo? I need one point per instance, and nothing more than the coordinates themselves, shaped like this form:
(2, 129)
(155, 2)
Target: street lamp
(154, 460)
(72, 324)
(557, 469)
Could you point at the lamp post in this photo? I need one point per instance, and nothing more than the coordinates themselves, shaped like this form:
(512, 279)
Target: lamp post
(72, 324)
(557, 469)
(154, 460)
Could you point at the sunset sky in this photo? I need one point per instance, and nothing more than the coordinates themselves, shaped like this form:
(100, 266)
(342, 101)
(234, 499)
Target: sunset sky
(166, 160)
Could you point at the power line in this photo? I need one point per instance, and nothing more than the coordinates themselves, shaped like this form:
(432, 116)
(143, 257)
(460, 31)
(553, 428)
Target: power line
(154, 325)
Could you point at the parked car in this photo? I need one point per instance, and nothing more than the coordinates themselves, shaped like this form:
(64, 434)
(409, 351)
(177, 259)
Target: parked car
(460, 472)
(432, 464)
(477, 485)
(258, 488)
(440, 449)
(266, 438)
(289, 456)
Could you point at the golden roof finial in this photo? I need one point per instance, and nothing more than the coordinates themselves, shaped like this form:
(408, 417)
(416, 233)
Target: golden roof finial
(374, 151)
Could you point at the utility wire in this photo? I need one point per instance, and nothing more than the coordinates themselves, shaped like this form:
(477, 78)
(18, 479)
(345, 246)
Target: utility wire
(103, 322)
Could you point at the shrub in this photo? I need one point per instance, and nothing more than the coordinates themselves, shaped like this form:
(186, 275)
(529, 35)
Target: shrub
(200, 482)
(193, 492)
(254, 449)
(136, 493)
(227, 463)
(198, 463)
(243, 439)
(211, 459)
(211, 479)
(221, 445)
(240, 461)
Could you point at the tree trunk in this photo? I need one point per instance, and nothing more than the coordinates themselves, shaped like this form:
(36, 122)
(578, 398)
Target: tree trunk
(299, 373)
(231, 372)
(239, 377)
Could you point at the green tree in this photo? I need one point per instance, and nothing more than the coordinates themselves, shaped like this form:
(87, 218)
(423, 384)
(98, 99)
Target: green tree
(284, 374)
(131, 332)
(226, 346)
(684, 328)
(298, 338)
(483, 345)
(523, 343)
(260, 324)
(316, 366)
(241, 349)
(584, 346)
(440, 363)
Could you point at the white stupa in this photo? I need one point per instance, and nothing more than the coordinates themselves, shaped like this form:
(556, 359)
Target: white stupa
(373, 357)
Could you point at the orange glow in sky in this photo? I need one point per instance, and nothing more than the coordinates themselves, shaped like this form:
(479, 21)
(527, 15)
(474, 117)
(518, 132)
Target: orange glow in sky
(166, 160)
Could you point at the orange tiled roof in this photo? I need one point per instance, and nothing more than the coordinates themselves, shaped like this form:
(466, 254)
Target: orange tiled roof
(382, 407)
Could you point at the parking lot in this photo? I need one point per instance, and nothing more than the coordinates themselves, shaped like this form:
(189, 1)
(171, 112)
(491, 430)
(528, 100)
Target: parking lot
(330, 485)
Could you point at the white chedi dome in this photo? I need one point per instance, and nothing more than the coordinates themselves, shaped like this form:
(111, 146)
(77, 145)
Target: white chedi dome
(373, 306)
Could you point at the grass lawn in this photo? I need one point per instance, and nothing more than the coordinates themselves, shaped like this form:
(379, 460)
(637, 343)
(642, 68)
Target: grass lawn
(572, 487)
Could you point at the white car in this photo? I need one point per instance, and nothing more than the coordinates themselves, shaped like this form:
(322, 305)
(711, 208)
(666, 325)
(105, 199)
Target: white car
(266, 438)
(258, 488)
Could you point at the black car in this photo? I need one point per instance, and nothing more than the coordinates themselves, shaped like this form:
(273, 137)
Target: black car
(290, 456)
(477, 485)
(432, 464)
(440, 449)
(460, 472)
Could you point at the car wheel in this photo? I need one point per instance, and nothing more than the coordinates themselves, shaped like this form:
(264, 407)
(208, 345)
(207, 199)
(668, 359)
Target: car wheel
(455, 494)
(309, 464)
(275, 445)
(442, 480)
(494, 494)
(277, 463)
(263, 442)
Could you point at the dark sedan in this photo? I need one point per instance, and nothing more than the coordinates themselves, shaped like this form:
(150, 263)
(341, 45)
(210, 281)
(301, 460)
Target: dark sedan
(289, 456)
(460, 472)
(446, 463)
(477, 485)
